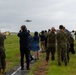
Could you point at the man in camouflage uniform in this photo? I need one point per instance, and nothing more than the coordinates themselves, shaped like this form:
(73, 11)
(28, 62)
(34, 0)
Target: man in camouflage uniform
(2, 53)
(68, 42)
(51, 44)
(62, 45)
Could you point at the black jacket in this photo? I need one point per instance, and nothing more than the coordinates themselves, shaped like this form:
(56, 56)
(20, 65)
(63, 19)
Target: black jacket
(23, 39)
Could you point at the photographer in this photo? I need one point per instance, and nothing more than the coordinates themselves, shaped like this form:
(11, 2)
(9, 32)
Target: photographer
(24, 49)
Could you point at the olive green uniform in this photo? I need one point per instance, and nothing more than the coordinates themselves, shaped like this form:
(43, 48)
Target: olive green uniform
(2, 52)
(62, 47)
(51, 45)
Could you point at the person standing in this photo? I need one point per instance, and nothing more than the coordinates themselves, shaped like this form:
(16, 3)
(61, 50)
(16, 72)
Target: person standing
(42, 41)
(45, 39)
(30, 40)
(62, 46)
(71, 49)
(68, 42)
(51, 44)
(24, 48)
(35, 45)
(2, 53)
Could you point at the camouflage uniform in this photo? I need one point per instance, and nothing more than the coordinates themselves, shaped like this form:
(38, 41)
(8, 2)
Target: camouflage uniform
(2, 52)
(62, 47)
(51, 45)
(68, 43)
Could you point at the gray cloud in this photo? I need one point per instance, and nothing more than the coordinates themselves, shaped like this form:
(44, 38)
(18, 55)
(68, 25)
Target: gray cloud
(43, 13)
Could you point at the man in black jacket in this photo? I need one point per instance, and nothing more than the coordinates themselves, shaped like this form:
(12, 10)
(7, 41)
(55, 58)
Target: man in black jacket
(24, 49)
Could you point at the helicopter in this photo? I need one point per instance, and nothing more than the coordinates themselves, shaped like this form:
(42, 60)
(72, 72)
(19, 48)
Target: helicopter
(27, 20)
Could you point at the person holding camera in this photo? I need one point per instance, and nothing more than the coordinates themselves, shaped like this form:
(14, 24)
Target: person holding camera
(24, 48)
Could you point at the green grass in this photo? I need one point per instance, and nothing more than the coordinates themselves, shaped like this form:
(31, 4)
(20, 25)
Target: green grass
(54, 69)
(13, 58)
(70, 69)
(34, 66)
(12, 51)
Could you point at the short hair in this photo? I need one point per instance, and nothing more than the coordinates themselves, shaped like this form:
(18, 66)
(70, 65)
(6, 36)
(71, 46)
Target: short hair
(45, 30)
(53, 29)
(23, 27)
(35, 33)
(28, 31)
(61, 27)
(42, 32)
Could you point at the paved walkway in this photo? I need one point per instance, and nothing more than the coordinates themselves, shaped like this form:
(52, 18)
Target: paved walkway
(16, 70)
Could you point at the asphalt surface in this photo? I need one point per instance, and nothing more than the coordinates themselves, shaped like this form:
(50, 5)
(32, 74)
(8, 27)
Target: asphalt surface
(16, 70)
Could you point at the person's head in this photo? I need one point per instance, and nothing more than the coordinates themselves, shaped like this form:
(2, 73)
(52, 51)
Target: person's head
(45, 31)
(42, 32)
(23, 28)
(28, 31)
(61, 27)
(48, 30)
(35, 33)
(53, 29)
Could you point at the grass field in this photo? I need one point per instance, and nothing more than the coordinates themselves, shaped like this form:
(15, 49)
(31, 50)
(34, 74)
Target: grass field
(12, 51)
(54, 69)
(70, 69)
(13, 58)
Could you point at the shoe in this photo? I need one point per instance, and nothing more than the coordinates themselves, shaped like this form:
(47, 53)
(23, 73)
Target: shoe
(22, 68)
(35, 59)
(53, 59)
(59, 64)
(28, 68)
(65, 64)
(32, 59)
(3, 71)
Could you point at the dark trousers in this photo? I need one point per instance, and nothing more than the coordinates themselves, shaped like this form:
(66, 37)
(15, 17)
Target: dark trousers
(2, 60)
(68, 57)
(52, 51)
(62, 55)
(25, 52)
(72, 48)
(31, 58)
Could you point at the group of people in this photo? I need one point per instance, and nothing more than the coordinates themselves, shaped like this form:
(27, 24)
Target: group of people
(60, 40)
(28, 43)
(47, 41)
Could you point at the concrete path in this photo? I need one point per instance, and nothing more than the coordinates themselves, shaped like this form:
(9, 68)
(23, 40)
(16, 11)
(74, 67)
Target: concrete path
(16, 70)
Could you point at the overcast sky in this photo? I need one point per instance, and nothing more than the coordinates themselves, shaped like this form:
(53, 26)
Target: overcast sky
(43, 13)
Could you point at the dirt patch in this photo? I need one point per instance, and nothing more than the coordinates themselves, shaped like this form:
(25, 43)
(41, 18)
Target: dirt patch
(42, 68)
